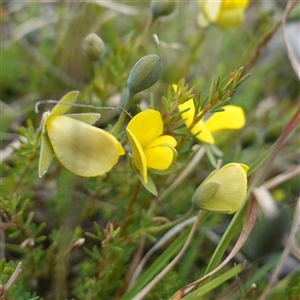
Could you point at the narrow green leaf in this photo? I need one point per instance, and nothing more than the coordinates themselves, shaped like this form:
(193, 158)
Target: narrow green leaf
(156, 267)
(214, 283)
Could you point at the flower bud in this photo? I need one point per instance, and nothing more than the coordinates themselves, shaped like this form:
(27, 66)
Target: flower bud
(159, 8)
(93, 48)
(223, 190)
(144, 74)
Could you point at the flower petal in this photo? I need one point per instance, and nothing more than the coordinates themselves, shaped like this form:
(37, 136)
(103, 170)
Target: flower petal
(200, 130)
(202, 20)
(231, 4)
(46, 155)
(233, 188)
(189, 114)
(224, 190)
(211, 9)
(88, 118)
(83, 149)
(230, 18)
(232, 118)
(204, 135)
(139, 159)
(60, 109)
(164, 139)
(146, 127)
(159, 157)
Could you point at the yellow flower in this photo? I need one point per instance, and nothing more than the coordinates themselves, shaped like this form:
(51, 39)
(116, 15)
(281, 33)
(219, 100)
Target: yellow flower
(225, 13)
(150, 149)
(232, 118)
(83, 149)
(224, 190)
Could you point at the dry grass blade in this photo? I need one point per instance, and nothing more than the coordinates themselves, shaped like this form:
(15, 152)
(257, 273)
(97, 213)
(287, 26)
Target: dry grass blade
(152, 283)
(118, 7)
(14, 277)
(267, 37)
(248, 225)
(161, 242)
(293, 59)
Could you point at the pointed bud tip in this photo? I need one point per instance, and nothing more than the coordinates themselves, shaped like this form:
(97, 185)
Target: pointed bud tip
(93, 47)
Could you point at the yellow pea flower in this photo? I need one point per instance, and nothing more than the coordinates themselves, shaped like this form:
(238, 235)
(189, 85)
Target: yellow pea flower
(83, 149)
(225, 13)
(232, 118)
(150, 149)
(224, 190)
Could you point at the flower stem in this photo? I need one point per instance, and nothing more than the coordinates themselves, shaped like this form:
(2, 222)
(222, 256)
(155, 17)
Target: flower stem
(96, 66)
(123, 114)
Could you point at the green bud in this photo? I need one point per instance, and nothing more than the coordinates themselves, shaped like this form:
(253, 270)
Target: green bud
(144, 73)
(93, 48)
(159, 8)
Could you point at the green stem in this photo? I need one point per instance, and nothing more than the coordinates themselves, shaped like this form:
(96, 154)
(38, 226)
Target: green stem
(141, 37)
(96, 66)
(123, 114)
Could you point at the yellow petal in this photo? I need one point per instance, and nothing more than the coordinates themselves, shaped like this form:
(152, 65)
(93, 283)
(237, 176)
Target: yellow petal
(88, 118)
(189, 114)
(204, 135)
(200, 130)
(211, 9)
(230, 18)
(82, 149)
(202, 20)
(46, 155)
(233, 188)
(231, 4)
(139, 159)
(164, 139)
(146, 127)
(60, 109)
(159, 157)
(232, 118)
(224, 190)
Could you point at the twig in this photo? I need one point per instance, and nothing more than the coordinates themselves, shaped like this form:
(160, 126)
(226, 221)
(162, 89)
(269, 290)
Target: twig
(14, 277)
(275, 181)
(161, 242)
(266, 38)
(295, 64)
(36, 110)
(152, 283)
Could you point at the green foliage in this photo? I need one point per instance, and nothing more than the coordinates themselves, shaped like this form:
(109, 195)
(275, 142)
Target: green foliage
(84, 238)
